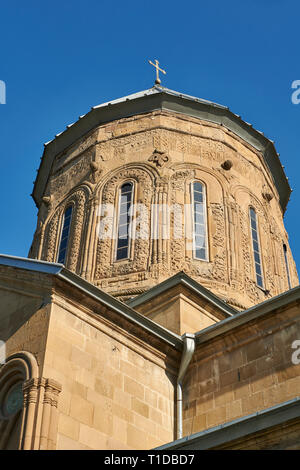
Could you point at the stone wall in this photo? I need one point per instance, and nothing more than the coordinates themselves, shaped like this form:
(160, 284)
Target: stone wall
(243, 371)
(162, 153)
(117, 391)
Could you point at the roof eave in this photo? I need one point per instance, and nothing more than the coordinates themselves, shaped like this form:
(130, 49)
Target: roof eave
(186, 281)
(164, 99)
(253, 313)
(125, 311)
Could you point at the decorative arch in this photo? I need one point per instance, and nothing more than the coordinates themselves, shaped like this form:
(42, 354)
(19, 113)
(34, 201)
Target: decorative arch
(123, 237)
(31, 424)
(186, 172)
(199, 213)
(245, 199)
(143, 177)
(216, 188)
(65, 234)
(18, 369)
(148, 169)
(78, 199)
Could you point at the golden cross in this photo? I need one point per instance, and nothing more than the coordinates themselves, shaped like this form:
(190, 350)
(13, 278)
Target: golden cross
(157, 81)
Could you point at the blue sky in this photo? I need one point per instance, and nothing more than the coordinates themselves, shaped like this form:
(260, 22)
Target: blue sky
(60, 58)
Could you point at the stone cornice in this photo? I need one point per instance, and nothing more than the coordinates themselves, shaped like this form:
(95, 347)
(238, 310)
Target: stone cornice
(189, 283)
(243, 427)
(94, 292)
(159, 98)
(247, 316)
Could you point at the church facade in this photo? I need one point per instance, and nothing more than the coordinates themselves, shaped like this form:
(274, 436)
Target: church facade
(159, 303)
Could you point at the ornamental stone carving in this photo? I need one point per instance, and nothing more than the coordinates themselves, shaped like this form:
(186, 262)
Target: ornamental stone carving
(52, 231)
(161, 153)
(106, 267)
(158, 158)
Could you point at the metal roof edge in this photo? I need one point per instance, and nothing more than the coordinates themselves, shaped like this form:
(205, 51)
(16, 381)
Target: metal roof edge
(248, 315)
(30, 264)
(183, 278)
(126, 311)
(222, 115)
(238, 428)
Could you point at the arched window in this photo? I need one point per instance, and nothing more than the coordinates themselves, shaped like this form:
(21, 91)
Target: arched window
(11, 409)
(200, 246)
(287, 265)
(123, 235)
(13, 400)
(256, 248)
(65, 233)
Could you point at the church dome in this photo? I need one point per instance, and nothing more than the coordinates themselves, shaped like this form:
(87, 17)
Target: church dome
(156, 183)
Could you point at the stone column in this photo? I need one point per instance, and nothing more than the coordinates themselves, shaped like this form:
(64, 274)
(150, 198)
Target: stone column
(30, 391)
(40, 413)
(49, 416)
(160, 221)
(89, 241)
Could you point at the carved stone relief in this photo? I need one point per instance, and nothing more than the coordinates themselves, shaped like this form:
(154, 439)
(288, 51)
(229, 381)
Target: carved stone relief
(53, 227)
(84, 145)
(106, 267)
(161, 160)
(158, 158)
(73, 174)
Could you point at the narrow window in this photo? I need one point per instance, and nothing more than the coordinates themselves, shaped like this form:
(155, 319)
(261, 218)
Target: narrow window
(63, 247)
(287, 265)
(125, 202)
(199, 220)
(256, 248)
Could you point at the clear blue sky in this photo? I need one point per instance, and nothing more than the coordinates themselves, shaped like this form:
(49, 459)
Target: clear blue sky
(60, 58)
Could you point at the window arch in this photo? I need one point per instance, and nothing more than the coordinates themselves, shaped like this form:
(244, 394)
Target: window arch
(200, 239)
(65, 235)
(287, 265)
(125, 201)
(19, 369)
(256, 248)
(11, 408)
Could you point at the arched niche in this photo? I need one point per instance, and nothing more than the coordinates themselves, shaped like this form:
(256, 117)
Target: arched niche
(78, 199)
(142, 178)
(17, 370)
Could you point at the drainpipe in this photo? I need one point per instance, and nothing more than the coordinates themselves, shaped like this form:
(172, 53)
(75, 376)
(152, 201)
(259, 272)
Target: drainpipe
(187, 354)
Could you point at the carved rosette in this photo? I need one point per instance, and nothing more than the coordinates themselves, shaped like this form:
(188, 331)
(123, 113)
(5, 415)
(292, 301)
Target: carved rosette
(158, 158)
